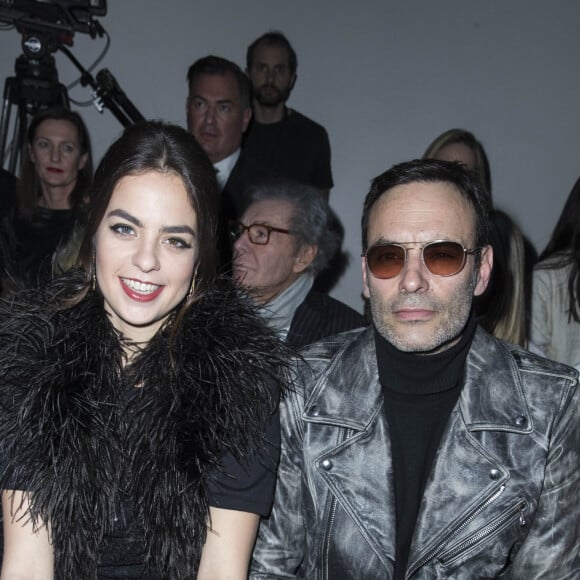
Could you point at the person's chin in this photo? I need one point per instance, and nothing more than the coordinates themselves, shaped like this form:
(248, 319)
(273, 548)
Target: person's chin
(239, 274)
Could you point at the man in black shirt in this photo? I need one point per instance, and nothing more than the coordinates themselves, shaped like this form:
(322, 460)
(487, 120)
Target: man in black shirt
(424, 448)
(286, 142)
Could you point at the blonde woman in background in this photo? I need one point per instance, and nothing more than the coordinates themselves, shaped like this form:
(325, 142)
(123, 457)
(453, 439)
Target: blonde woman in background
(461, 145)
(503, 308)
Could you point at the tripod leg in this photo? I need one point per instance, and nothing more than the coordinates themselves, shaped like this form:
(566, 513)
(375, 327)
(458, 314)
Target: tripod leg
(16, 145)
(5, 118)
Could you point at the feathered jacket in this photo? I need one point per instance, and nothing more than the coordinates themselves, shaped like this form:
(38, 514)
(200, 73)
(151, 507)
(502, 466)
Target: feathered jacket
(71, 436)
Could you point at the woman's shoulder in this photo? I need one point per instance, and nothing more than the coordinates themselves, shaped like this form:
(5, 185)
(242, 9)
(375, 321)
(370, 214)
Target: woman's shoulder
(40, 315)
(558, 260)
(223, 332)
(556, 267)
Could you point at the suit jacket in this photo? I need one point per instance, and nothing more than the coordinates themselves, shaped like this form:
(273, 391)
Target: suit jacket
(501, 500)
(245, 173)
(320, 316)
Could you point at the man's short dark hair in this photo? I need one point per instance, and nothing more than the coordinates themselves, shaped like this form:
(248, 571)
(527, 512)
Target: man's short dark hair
(432, 171)
(311, 220)
(273, 38)
(215, 65)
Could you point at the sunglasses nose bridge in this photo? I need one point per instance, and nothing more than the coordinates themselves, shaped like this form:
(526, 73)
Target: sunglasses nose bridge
(414, 259)
(413, 276)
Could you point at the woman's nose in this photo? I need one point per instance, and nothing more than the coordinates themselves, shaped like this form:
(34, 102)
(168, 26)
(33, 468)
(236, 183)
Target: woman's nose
(146, 256)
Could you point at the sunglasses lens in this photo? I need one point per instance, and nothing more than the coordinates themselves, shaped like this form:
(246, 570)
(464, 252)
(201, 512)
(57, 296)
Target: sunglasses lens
(441, 258)
(385, 261)
(444, 258)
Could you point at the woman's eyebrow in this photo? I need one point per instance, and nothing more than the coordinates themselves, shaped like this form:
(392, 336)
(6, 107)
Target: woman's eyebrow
(181, 229)
(178, 230)
(126, 216)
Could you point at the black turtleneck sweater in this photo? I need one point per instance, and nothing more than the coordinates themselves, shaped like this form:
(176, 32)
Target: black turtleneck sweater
(419, 391)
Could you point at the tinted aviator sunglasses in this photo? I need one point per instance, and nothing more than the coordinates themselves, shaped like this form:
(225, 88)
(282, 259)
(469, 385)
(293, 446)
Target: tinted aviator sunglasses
(441, 257)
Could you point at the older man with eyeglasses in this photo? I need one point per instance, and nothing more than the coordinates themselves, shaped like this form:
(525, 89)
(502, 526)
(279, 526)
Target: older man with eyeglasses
(422, 447)
(281, 243)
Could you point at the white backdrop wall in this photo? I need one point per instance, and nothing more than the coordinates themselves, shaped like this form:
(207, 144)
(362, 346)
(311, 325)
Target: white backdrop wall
(383, 77)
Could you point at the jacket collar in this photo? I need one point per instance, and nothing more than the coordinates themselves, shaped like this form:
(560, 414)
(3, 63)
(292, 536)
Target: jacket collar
(349, 395)
(492, 396)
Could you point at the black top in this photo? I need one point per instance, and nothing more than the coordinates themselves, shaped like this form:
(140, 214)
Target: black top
(295, 148)
(246, 487)
(247, 172)
(420, 392)
(27, 243)
(8, 185)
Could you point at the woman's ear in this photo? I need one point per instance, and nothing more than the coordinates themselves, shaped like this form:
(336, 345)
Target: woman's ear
(82, 161)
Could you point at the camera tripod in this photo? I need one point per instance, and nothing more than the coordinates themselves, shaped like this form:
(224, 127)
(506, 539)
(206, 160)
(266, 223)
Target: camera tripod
(35, 86)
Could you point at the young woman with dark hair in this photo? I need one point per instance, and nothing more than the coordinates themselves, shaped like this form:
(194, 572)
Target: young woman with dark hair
(138, 423)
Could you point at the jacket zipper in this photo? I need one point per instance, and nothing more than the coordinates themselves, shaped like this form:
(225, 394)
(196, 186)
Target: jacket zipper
(518, 510)
(433, 553)
(330, 523)
(326, 542)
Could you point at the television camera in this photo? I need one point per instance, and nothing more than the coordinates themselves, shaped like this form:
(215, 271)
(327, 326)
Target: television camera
(47, 26)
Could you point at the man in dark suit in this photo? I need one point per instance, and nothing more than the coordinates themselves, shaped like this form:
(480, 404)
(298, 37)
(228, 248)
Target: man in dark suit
(218, 112)
(282, 242)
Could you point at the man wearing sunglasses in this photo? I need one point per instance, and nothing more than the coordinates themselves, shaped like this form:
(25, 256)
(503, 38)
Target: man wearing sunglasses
(424, 448)
(281, 243)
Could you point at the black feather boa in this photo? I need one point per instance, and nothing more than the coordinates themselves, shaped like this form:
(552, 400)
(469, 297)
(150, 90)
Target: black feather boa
(70, 434)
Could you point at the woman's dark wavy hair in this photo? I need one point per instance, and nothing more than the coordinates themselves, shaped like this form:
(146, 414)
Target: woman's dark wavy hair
(564, 247)
(157, 146)
(29, 187)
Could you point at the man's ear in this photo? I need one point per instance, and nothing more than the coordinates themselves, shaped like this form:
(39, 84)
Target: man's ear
(293, 81)
(366, 292)
(188, 114)
(484, 271)
(246, 118)
(304, 258)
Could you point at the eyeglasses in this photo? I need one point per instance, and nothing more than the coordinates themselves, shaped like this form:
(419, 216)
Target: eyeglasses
(257, 233)
(441, 257)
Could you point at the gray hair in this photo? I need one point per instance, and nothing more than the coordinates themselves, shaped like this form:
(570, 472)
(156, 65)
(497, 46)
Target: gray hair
(313, 222)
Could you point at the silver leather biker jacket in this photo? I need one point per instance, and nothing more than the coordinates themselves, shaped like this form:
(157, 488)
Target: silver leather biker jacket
(502, 498)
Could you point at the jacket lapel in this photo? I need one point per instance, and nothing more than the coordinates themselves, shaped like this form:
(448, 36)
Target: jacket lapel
(465, 474)
(361, 474)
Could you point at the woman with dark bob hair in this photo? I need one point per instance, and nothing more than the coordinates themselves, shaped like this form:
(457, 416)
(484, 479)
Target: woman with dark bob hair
(555, 327)
(139, 433)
